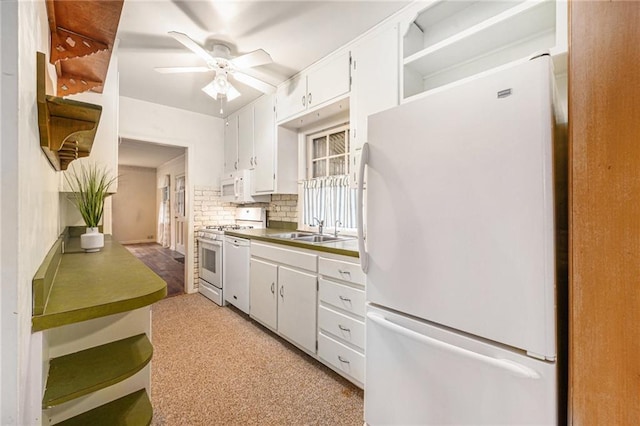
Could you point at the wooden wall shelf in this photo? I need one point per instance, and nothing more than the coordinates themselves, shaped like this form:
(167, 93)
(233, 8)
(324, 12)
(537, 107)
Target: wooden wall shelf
(67, 128)
(82, 37)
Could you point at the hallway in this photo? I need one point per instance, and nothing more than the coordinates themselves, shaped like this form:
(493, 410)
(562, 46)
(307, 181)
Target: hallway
(167, 263)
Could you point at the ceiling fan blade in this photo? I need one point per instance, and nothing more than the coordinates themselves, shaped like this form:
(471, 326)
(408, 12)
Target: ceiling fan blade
(173, 70)
(254, 82)
(252, 59)
(232, 93)
(191, 45)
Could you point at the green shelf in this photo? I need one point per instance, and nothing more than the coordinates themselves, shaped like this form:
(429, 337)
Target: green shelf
(80, 373)
(134, 409)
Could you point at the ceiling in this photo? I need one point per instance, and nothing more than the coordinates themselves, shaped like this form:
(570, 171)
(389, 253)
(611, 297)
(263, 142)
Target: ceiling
(294, 33)
(145, 154)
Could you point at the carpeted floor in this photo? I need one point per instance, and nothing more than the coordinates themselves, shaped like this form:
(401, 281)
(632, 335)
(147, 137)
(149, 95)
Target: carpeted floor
(214, 366)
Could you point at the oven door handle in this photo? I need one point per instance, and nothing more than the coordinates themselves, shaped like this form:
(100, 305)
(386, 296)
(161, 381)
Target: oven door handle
(204, 243)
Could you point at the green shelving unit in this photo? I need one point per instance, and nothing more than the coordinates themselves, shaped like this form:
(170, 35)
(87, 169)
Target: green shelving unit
(81, 373)
(131, 410)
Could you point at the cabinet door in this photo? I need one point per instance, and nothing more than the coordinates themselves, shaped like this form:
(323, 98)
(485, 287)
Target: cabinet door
(263, 299)
(329, 80)
(264, 145)
(375, 82)
(245, 138)
(297, 307)
(231, 143)
(291, 97)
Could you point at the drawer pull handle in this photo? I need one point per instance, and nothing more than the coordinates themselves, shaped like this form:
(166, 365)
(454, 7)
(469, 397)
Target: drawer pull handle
(343, 328)
(273, 291)
(345, 299)
(345, 361)
(282, 291)
(344, 273)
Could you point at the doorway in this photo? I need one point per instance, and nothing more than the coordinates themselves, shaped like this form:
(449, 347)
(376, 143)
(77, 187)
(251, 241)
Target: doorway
(150, 208)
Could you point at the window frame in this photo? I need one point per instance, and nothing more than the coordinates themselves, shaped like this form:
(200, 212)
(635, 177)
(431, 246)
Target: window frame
(344, 127)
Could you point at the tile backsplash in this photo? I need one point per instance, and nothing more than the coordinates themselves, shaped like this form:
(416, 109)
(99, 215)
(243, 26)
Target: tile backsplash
(208, 209)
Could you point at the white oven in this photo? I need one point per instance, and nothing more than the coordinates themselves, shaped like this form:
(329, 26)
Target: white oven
(210, 269)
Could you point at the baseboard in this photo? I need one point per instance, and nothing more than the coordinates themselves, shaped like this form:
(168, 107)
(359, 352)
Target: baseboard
(137, 241)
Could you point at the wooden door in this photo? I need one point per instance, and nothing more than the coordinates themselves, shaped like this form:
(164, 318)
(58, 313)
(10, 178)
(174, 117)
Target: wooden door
(604, 288)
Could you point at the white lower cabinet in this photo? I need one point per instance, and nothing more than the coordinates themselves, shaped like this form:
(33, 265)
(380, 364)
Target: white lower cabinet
(313, 299)
(263, 300)
(283, 286)
(341, 310)
(297, 307)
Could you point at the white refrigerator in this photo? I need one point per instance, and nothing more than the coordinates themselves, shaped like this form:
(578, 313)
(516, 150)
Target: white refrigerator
(460, 254)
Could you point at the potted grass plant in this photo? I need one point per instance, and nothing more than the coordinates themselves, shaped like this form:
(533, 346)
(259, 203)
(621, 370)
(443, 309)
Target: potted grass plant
(90, 186)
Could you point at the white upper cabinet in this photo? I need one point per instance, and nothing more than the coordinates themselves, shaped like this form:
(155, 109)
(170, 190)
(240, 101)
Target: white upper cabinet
(264, 145)
(452, 40)
(320, 84)
(231, 143)
(252, 141)
(328, 80)
(291, 97)
(375, 80)
(245, 138)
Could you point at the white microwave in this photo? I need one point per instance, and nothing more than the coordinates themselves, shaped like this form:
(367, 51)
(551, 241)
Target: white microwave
(235, 187)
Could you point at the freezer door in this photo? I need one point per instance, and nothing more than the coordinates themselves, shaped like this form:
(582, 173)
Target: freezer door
(460, 220)
(419, 374)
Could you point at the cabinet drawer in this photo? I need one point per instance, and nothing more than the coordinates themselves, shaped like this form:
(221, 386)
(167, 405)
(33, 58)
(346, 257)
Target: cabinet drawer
(344, 359)
(345, 271)
(344, 297)
(348, 329)
(294, 258)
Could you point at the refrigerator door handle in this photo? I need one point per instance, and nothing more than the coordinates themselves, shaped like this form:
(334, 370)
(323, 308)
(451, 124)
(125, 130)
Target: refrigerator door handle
(512, 367)
(364, 159)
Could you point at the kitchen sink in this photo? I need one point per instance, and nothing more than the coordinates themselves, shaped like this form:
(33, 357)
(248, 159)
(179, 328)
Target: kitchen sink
(291, 235)
(321, 239)
(309, 237)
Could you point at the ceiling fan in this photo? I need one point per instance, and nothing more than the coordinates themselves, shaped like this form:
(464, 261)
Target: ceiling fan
(219, 60)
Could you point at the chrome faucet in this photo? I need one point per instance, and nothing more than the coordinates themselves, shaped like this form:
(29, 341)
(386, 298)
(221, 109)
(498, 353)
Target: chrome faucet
(320, 225)
(335, 231)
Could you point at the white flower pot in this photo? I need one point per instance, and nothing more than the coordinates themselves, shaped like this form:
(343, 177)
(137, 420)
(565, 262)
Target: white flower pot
(92, 240)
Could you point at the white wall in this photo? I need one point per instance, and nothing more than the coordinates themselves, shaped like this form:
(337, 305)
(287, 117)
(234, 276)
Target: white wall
(134, 205)
(202, 135)
(29, 209)
(104, 151)
(173, 168)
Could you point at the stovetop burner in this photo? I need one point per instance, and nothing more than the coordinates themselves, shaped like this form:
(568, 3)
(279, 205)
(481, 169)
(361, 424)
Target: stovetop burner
(231, 227)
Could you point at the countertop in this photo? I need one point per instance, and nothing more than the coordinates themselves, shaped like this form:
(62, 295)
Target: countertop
(93, 285)
(346, 248)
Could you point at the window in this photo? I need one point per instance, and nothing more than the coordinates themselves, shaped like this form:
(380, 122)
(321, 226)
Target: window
(327, 194)
(328, 153)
